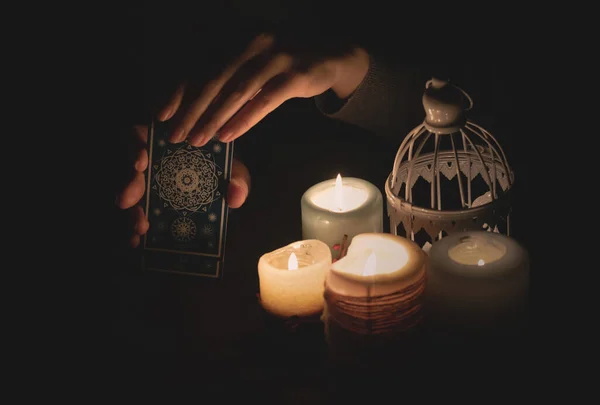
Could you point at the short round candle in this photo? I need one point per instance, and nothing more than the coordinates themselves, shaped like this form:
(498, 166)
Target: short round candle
(377, 286)
(476, 276)
(341, 207)
(291, 278)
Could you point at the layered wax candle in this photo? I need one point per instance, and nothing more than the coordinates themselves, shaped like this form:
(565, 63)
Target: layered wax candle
(336, 210)
(292, 279)
(377, 286)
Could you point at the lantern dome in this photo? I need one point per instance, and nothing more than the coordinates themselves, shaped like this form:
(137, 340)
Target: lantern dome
(450, 174)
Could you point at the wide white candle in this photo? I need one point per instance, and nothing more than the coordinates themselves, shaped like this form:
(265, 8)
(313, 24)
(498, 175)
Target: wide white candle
(477, 277)
(377, 286)
(292, 278)
(341, 207)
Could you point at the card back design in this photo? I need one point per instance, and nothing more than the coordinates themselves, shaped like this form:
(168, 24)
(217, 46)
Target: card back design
(185, 205)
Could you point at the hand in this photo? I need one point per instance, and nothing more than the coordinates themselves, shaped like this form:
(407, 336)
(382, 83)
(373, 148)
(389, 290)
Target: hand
(264, 76)
(239, 186)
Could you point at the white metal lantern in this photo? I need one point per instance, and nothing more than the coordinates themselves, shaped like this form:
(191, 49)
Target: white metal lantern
(449, 174)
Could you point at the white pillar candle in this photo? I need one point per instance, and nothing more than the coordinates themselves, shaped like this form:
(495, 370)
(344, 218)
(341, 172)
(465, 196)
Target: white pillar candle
(377, 286)
(338, 207)
(477, 277)
(292, 278)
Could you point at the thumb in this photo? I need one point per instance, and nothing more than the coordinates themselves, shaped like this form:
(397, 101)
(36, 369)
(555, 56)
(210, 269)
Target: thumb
(239, 185)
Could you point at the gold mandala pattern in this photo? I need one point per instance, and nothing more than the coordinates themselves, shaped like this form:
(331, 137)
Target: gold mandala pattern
(183, 229)
(187, 180)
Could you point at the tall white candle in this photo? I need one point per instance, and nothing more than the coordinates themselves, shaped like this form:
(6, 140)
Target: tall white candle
(377, 286)
(292, 278)
(477, 278)
(338, 207)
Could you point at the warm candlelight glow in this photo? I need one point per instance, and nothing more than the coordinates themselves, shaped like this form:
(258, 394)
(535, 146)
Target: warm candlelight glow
(298, 292)
(335, 210)
(376, 287)
(370, 265)
(293, 262)
(376, 255)
(477, 250)
(339, 193)
(340, 197)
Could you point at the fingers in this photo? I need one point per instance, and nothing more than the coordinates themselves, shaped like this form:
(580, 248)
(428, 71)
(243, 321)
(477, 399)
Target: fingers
(173, 104)
(140, 162)
(140, 222)
(134, 241)
(212, 89)
(133, 192)
(239, 185)
(239, 97)
(139, 225)
(195, 110)
(275, 93)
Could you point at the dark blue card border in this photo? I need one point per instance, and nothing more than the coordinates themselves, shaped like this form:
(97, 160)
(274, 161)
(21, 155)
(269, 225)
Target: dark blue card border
(181, 262)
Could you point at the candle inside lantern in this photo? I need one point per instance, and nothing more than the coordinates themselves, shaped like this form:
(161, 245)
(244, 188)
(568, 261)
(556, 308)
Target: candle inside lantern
(336, 210)
(376, 287)
(292, 278)
(477, 278)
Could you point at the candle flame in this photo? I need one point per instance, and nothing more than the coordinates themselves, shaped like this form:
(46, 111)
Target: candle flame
(293, 262)
(481, 262)
(339, 195)
(370, 265)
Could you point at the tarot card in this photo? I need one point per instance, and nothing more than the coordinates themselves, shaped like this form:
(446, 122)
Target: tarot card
(185, 205)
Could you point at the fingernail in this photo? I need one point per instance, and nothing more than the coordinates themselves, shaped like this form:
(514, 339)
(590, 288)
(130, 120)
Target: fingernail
(197, 139)
(224, 137)
(177, 135)
(165, 116)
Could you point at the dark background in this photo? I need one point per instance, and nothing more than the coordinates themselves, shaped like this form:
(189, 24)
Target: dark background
(175, 328)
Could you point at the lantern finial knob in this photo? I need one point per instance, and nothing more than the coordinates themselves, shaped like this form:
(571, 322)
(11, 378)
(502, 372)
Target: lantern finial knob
(445, 107)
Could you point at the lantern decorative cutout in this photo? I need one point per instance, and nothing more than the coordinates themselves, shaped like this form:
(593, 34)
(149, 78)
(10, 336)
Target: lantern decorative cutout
(449, 174)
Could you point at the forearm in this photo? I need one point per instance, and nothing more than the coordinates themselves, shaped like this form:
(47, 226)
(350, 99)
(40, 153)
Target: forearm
(387, 101)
